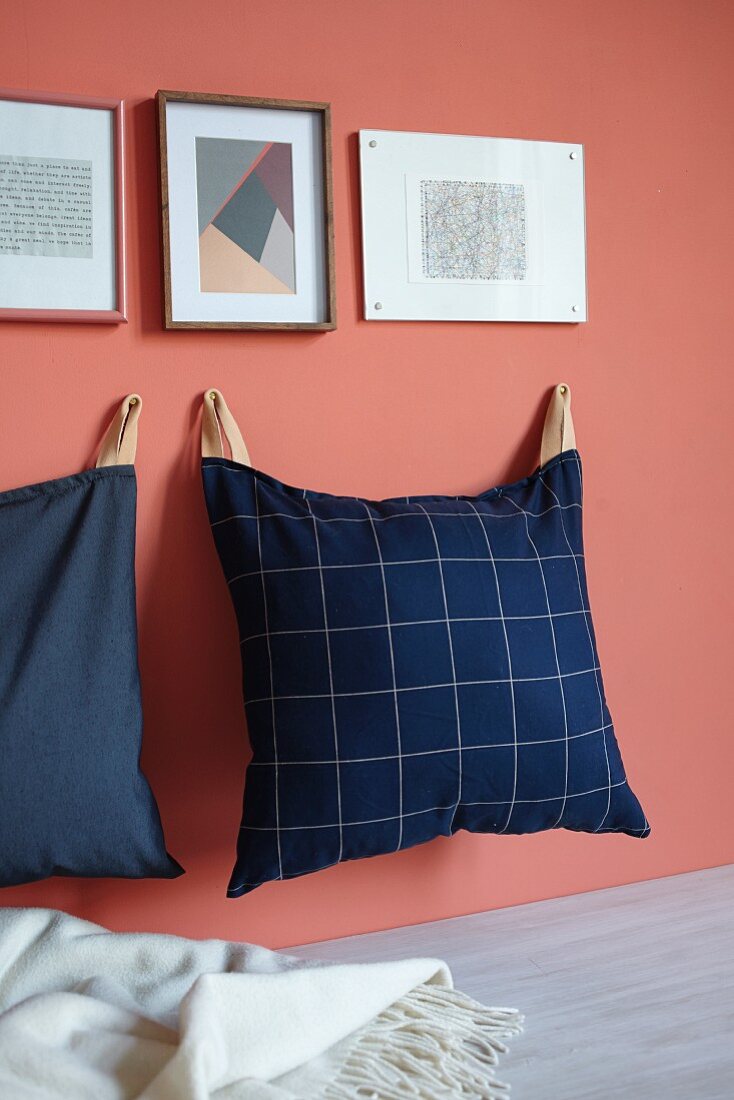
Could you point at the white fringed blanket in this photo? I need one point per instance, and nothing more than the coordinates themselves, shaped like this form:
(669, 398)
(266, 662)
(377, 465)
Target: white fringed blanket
(87, 1014)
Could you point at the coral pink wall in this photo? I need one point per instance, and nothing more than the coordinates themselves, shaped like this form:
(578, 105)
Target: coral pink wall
(386, 409)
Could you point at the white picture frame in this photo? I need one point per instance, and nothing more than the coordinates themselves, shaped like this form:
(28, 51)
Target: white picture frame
(62, 210)
(461, 228)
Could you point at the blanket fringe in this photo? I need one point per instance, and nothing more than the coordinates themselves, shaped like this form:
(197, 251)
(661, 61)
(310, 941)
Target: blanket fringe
(432, 1044)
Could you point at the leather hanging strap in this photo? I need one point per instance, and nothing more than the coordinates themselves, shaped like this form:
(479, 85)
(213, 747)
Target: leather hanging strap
(558, 433)
(121, 438)
(217, 421)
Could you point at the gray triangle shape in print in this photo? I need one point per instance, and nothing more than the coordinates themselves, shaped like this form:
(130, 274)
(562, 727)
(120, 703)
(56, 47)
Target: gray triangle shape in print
(278, 255)
(221, 164)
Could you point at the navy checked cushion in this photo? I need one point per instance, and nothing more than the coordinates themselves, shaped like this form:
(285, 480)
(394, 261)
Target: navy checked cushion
(413, 667)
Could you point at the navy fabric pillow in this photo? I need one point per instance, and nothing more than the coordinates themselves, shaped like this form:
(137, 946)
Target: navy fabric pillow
(413, 667)
(72, 798)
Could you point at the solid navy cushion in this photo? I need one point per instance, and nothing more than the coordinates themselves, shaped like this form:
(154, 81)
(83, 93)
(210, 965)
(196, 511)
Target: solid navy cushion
(413, 667)
(73, 800)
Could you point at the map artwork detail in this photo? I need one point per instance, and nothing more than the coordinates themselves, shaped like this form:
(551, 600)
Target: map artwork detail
(473, 230)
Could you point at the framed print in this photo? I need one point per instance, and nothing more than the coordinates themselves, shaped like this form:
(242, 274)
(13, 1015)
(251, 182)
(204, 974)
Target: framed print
(246, 203)
(472, 228)
(62, 214)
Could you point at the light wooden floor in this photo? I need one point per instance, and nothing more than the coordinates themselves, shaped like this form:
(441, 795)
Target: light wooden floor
(627, 992)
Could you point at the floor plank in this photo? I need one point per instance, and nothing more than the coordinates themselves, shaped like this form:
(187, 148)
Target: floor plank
(626, 992)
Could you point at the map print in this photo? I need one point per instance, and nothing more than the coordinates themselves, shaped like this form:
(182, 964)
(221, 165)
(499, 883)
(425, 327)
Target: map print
(473, 230)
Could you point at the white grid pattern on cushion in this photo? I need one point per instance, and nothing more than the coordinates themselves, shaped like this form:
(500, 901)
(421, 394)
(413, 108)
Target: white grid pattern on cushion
(413, 667)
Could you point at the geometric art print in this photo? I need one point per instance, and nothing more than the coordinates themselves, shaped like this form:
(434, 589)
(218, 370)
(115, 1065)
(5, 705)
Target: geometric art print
(473, 230)
(245, 210)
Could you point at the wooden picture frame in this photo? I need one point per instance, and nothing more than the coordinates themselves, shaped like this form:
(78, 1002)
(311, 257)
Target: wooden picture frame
(185, 291)
(54, 282)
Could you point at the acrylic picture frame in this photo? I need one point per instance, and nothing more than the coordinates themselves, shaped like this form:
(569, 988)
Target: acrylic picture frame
(261, 170)
(46, 287)
(469, 228)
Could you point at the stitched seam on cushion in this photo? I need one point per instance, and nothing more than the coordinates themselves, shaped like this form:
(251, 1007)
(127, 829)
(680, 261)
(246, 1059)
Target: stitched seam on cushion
(234, 891)
(291, 490)
(53, 489)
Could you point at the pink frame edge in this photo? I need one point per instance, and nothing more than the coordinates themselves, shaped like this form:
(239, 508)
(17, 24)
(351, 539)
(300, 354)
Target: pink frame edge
(103, 316)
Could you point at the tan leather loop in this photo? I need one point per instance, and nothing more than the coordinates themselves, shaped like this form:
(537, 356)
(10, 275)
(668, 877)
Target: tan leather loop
(121, 438)
(558, 432)
(217, 420)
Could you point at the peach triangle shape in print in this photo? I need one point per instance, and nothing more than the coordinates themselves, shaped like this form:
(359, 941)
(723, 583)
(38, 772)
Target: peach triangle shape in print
(221, 166)
(224, 268)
